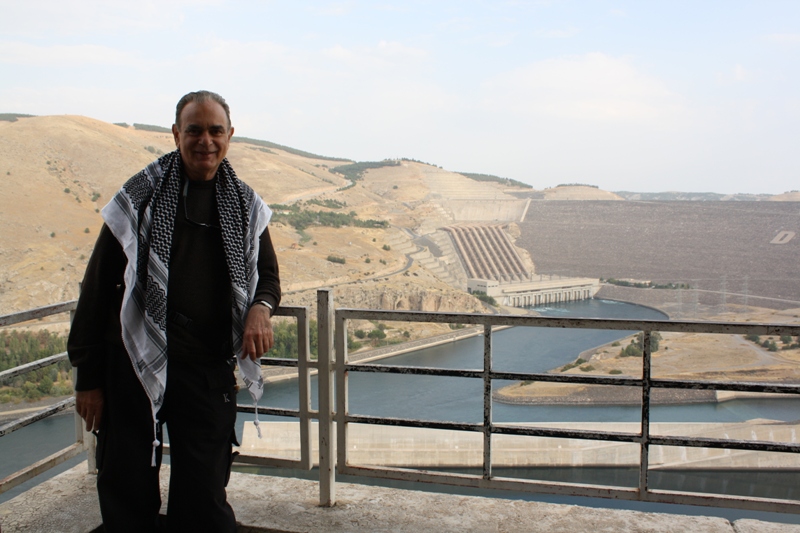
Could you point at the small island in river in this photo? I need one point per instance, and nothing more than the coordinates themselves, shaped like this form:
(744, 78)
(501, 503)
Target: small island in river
(683, 356)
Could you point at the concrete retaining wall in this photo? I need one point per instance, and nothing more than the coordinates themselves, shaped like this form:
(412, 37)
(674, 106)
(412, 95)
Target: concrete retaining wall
(420, 447)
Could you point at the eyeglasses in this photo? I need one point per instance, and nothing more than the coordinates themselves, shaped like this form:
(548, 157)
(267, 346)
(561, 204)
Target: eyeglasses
(186, 210)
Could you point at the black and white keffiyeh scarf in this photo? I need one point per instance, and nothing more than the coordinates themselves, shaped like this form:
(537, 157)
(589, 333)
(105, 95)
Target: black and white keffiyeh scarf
(142, 216)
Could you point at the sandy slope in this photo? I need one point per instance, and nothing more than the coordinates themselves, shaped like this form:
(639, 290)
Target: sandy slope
(59, 171)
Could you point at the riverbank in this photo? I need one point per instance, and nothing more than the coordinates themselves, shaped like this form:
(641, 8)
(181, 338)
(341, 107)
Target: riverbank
(681, 356)
(12, 411)
(277, 374)
(602, 395)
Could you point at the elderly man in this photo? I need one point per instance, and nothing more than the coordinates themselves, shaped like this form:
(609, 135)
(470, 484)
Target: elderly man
(182, 283)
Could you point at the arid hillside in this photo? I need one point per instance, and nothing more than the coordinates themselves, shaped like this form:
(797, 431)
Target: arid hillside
(59, 171)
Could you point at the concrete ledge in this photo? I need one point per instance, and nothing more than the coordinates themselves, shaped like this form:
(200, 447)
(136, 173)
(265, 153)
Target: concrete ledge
(67, 503)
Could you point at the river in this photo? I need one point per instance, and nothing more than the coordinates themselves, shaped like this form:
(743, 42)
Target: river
(460, 400)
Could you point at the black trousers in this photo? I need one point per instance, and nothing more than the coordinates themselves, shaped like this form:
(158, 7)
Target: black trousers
(199, 411)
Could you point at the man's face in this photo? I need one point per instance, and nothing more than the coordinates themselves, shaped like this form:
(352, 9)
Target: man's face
(203, 137)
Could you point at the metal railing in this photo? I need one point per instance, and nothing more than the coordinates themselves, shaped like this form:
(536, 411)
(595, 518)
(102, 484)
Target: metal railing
(341, 368)
(85, 441)
(82, 442)
(334, 417)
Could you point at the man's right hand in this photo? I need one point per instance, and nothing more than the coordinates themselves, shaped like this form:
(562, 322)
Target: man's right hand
(89, 404)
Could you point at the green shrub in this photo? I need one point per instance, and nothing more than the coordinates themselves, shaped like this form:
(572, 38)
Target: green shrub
(376, 334)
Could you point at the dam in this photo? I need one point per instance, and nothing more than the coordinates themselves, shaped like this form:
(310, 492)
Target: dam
(495, 268)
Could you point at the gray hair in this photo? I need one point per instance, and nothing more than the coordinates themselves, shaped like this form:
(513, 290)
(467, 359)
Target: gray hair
(200, 97)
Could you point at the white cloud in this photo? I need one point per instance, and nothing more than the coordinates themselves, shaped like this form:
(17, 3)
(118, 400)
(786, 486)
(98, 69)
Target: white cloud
(233, 55)
(19, 53)
(384, 54)
(48, 18)
(590, 87)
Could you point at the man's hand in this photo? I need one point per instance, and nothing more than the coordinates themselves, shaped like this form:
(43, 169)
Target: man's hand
(89, 404)
(257, 332)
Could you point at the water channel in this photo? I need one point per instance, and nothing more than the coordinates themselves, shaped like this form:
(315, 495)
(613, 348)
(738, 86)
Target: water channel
(460, 400)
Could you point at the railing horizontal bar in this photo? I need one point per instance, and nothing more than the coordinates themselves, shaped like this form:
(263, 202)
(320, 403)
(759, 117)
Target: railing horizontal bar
(566, 433)
(569, 489)
(742, 386)
(30, 472)
(275, 462)
(572, 378)
(35, 417)
(11, 373)
(291, 310)
(750, 503)
(414, 370)
(405, 422)
(736, 328)
(725, 444)
(273, 411)
(500, 483)
(278, 361)
(568, 378)
(39, 312)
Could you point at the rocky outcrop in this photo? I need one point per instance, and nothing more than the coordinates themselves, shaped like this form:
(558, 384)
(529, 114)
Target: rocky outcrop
(409, 297)
(396, 296)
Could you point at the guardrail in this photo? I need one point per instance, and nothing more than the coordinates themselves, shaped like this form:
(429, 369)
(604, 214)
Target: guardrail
(341, 368)
(84, 441)
(334, 369)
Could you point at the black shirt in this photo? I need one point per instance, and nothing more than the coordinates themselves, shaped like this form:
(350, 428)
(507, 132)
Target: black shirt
(194, 279)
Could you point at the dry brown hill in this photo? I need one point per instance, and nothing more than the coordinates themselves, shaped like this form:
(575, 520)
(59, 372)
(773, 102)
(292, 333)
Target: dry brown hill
(578, 192)
(59, 171)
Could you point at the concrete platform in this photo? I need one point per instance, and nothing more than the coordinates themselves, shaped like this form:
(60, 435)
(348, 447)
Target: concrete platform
(67, 503)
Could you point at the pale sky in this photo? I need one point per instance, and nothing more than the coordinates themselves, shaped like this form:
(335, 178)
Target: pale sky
(626, 95)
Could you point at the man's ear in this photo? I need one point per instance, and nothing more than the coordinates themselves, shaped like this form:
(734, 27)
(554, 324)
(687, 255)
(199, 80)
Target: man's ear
(230, 133)
(176, 134)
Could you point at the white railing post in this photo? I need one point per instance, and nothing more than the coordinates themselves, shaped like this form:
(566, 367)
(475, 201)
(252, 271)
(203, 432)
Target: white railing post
(644, 450)
(327, 442)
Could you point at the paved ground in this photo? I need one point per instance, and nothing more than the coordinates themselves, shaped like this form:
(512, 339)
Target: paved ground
(67, 504)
